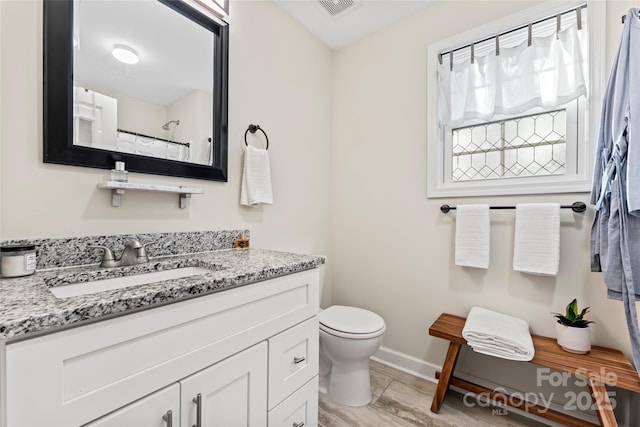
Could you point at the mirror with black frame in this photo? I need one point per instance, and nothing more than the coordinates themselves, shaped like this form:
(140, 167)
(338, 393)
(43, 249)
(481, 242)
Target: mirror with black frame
(144, 82)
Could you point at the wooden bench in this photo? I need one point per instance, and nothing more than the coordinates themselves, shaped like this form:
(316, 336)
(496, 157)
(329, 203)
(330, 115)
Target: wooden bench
(599, 366)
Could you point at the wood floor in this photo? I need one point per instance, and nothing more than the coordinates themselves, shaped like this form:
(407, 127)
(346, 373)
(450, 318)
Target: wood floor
(402, 400)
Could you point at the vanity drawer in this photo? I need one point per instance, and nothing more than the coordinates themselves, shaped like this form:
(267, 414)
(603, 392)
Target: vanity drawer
(293, 359)
(300, 409)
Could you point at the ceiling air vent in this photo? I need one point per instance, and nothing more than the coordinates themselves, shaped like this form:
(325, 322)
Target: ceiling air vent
(334, 7)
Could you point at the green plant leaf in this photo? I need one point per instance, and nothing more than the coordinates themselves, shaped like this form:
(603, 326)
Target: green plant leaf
(572, 310)
(582, 313)
(562, 319)
(572, 318)
(581, 323)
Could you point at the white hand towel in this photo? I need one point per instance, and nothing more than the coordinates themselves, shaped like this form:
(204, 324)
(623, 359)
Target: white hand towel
(498, 335)
(536, 247)
(256, 178)
(472, 236)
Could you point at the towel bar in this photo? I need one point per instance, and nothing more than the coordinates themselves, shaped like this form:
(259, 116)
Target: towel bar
(576, 207)
(254, 129)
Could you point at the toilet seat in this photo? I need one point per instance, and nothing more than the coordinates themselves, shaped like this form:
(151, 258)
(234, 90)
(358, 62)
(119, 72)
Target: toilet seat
(351, 322)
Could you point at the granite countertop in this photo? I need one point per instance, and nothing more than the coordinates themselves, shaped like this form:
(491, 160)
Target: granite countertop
(29, 307)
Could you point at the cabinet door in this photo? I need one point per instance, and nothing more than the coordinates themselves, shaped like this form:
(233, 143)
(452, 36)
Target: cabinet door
(231, 393)
(159, 409)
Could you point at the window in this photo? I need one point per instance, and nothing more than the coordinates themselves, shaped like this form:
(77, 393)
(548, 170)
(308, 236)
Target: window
(519, 147)
(531, 145)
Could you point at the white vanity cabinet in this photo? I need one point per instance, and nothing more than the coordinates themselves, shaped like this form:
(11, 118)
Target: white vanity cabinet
(247, 356)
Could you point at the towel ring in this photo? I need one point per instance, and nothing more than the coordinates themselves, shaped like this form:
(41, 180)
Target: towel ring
(253, 129)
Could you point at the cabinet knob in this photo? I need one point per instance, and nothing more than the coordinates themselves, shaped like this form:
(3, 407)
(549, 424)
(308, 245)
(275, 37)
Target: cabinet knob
(297, 360)
(198, 401)
(168, 418)
(300, 424)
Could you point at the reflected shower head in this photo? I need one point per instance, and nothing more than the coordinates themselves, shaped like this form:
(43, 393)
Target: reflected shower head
(166, 125)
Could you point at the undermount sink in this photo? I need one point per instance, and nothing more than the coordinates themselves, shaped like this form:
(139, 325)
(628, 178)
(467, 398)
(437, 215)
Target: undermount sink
(85, 288)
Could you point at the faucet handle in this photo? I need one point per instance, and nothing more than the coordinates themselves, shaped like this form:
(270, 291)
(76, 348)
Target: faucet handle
(107, 255)
(142, 253)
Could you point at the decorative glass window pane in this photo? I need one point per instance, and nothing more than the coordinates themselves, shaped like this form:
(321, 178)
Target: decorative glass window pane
(532, 145)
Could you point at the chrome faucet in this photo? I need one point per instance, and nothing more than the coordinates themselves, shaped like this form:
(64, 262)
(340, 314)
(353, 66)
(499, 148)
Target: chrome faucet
(134, 253)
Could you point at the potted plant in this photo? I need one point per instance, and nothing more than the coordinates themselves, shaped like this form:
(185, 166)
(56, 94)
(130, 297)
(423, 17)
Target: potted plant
(573, 329)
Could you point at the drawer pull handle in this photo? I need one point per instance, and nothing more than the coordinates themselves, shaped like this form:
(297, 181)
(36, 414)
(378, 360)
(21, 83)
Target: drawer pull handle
(198, 401)
(297, 360)
(168, 418)
(300, 424)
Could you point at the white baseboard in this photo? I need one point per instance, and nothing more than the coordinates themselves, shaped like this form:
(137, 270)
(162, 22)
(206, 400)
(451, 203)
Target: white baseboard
(420, 368)
(405, 363)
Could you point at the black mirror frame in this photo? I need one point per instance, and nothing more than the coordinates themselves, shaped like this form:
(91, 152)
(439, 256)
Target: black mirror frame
(58, 101)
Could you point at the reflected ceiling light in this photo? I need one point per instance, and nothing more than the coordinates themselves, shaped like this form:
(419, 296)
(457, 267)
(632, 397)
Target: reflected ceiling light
(125, 54)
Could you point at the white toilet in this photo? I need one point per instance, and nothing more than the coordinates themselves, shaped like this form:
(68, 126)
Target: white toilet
(349, 336)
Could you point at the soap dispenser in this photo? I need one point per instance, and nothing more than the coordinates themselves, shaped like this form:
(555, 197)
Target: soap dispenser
(242, 242)
(119, 174)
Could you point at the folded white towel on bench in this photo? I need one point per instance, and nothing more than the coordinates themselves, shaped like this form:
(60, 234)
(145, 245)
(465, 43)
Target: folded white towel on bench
(497, 334)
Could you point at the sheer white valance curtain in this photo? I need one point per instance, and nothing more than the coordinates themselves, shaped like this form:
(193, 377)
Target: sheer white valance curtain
(549, 72)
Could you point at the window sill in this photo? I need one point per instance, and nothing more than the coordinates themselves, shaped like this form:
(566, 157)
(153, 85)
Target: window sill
(486, 188)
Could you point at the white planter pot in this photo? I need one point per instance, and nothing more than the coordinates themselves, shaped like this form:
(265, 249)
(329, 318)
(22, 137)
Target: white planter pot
(573, 340)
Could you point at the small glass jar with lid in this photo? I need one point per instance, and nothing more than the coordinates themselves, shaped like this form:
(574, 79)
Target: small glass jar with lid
(17, 260)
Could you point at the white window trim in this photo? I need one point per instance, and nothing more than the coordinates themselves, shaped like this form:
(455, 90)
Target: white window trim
(581, 181)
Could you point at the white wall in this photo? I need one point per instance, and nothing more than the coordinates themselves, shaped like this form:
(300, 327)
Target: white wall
(392, 247)
(279, 78)
(136, 115)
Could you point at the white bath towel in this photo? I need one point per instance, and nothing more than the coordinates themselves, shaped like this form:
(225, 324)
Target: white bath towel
(473, 229)
(498, 335)
(536, 247)
(256, 178)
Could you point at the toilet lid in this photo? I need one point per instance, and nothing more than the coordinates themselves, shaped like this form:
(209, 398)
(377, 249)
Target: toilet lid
(351, 320)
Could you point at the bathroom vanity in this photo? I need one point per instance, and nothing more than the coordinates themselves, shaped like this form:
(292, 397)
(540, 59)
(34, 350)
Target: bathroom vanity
(235, 346)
